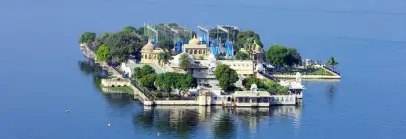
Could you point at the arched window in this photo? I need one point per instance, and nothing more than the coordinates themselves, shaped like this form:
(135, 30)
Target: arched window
(195, 52)
(200, 51)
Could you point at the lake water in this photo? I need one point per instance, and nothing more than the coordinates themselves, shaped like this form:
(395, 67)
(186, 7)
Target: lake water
(41, 77)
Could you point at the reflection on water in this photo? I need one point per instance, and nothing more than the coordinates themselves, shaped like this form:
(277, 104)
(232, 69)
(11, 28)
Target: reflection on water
(185, 121)
(181, 121)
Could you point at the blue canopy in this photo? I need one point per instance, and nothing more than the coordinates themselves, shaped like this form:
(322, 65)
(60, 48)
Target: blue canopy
(179, 46)
(155, 41)
(229, 46)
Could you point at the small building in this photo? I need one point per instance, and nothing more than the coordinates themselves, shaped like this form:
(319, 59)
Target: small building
(251, 98)
(257, 53)
(195, 48)
(203, 70)
(149, 54)
(295, 86)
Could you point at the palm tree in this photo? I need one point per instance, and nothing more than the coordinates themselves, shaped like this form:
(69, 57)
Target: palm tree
(249, 46)
(184, 62)
(332, 62)
(164, 57)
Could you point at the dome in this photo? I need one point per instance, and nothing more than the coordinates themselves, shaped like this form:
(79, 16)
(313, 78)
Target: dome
(177, 58)
(212, 58)
(259, 67)
(149, 47)
(194, 40)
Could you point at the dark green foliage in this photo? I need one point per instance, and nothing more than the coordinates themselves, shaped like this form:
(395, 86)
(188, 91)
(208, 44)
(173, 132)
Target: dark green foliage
(122, 44)
(145, 76)
(243, 36)
(147, 81)
(265, 85)
(87, 37)
(147, 69)
(137, 73)
(129, 29)
(247, 82)
(143, 71)
(168, 80)
(226, 77)
(279, 55)
(241, 56)
(166, 44)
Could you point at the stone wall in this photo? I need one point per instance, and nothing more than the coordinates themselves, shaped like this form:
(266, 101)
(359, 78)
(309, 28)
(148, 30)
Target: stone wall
(307, 76)
(115, 82)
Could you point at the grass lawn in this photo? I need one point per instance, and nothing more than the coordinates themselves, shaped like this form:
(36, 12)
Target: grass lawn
(308, 71)
(125, 89)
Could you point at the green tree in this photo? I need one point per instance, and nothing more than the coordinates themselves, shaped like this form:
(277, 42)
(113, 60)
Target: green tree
(184, 62)
(242, 36)
(274, 88)
(241, 56)
(147, 81)
(226, 77)
(101, 39)
(165, 44)
(130, 29)
(276, 55)
(293, 57)
(164, 57)
(332, 62)
(146, 70)
(103, 53)
(249, 46)
(165, 82)
(247, 82)
(137, 73)
(183, 83)
(87, 37)
(122, 44)
(279, 55)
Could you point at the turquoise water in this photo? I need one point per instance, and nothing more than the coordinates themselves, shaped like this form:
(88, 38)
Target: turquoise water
(41, 76)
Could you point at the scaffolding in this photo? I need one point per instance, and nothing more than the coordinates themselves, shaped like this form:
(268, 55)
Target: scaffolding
(172, 32)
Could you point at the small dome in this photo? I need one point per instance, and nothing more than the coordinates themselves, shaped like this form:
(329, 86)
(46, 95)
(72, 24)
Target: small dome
(212, 58)
(194, 40)
(149, 47)
(259, 67)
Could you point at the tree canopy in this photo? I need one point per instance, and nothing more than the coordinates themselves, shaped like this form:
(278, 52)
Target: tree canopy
(184, 62)
(226, 77)
(332, 61)
(279, 55)
(244, 35)
(164, 57)
(265, 84)
(87, 37)
(241, 56)
(103, 53)
(130, 29)
(143, 71)
(171, 80)
(122, 44)
(147, 81)
(166, 44)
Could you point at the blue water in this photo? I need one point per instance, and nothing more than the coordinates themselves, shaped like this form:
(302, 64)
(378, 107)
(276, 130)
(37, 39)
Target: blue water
(41, 77)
